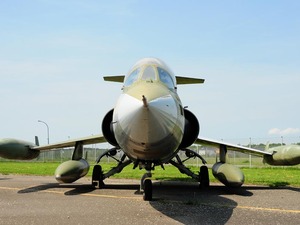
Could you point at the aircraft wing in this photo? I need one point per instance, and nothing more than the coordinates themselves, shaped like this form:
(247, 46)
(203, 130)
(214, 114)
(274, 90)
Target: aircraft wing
(188, 80)
(71, 143)
(179, 79)
(119, 78)
(232, 147)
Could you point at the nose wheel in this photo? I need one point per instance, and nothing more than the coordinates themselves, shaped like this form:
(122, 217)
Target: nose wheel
(146, 186)
(203, 177)
(97, 177)
(147, 196)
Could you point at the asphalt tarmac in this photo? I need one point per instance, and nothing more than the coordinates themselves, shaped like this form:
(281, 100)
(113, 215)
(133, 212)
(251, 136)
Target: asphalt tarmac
(41, 200)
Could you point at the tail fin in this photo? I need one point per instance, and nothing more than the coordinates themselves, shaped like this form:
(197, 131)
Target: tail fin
(267, 146)
(37, 143)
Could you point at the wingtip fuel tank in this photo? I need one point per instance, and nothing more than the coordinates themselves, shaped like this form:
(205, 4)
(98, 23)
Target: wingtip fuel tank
(17, 149)
(283, 156)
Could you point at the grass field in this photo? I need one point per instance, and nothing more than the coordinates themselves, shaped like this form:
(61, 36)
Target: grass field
(271, 176)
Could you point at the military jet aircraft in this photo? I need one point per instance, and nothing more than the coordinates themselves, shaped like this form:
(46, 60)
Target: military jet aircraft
(148, 127)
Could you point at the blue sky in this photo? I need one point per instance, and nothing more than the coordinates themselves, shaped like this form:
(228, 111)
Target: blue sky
(53, 54)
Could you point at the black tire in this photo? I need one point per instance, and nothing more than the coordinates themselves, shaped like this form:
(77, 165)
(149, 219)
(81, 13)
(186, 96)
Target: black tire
(203, 177)
(147, 190)
(97, 177)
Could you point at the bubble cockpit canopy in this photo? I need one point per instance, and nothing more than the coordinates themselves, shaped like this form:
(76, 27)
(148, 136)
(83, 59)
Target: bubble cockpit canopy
(151, 70)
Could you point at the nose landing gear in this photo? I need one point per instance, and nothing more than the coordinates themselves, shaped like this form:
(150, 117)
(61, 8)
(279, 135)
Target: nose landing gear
(146, 186)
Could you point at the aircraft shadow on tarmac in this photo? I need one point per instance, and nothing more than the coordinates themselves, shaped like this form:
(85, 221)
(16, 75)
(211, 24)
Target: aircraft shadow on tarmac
(188, 204)
(162, 189)
(181, 201)
(42, 187)
(77, 189)
(296, 189)
(184, 202)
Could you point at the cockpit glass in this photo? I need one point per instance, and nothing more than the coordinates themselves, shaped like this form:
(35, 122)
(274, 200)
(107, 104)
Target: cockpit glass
(132, 77)
(165, 77)
(149, 74)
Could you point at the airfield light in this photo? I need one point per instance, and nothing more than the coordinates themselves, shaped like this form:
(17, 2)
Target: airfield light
(47, 129)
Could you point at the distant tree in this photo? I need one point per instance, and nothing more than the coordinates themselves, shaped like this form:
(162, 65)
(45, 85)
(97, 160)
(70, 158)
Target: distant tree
(296, 143)
(272, 145)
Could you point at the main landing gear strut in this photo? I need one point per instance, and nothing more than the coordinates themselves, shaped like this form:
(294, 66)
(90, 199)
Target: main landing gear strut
(146, 183)
(98, 174)
(202, 177)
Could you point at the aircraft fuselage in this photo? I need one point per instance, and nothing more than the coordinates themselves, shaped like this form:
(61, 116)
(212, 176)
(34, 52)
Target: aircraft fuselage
(148, 120)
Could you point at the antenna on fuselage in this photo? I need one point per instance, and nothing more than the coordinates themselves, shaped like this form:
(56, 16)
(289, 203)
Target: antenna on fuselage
(144, 99)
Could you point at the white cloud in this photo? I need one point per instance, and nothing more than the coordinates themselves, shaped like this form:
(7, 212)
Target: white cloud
(284, 132)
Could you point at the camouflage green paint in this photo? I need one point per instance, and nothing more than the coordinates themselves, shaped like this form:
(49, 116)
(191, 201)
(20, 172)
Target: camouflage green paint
(71, 170)
(228, 174)
(17, 149)
(283, 155)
